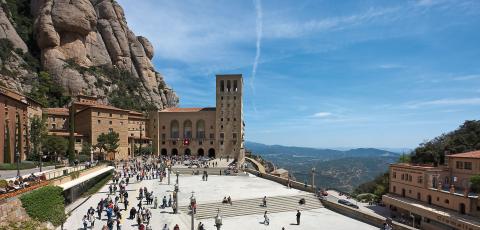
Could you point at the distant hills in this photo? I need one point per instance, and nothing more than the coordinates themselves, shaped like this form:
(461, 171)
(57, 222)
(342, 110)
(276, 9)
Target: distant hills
(343, 170)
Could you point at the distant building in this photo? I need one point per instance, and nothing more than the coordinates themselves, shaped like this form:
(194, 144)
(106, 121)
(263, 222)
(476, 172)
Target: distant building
(436, 197)
(212, 132)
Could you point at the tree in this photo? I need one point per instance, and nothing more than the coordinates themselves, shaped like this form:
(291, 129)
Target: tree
(48, 92)
(108, 142)
(71, 137)
(7, 147)
(475, 180)
(86, 148)
(55, 144)
(18, 138)
(38, 132)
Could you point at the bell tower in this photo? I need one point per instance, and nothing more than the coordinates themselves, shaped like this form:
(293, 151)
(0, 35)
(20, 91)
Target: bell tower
(229, 116)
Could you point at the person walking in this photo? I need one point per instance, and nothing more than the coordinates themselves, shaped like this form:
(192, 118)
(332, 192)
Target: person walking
(266, 221)
(165, 227)
(264, 201)
(298, 217)
(176, 227)
(155, 203)
(85, 222)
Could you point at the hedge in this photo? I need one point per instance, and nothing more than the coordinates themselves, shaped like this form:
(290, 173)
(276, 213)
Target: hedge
(45, 204)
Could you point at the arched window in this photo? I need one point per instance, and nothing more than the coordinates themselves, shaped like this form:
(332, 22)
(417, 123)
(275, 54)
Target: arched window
(187, 129)
(222, 86)
(229, 86)
(174, 130)
(200, 129)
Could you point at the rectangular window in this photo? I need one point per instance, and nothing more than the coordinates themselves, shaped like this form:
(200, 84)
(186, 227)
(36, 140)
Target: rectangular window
(222, 135)
(53, 119)
(121, 122)
(212, 136)
(98, 121)
(234, 135)
(110, 122)
(98, 113)
(467, 165)
(235, 88)
(459, 165)
(110, 129)
(110, 115)
(163, 136)
(222, 86)
(419, 179)
(54, 126)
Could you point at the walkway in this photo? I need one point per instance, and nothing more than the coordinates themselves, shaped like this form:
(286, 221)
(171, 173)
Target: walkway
(259, 166)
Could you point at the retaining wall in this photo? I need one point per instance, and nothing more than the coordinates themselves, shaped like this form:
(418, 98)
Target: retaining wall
(11, 210)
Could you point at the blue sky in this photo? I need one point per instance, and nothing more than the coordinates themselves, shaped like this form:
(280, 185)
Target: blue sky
(324, 73)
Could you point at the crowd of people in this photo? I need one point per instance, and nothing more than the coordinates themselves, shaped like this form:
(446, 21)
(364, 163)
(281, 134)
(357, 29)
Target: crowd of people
(117, 198)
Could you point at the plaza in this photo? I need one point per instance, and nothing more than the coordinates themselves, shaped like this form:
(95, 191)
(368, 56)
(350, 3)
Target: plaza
(242, 189)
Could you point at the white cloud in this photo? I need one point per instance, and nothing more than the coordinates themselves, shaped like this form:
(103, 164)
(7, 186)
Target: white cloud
(467, 77)
(446, 102)
(293, 29)
(322, 114)
(390, 66)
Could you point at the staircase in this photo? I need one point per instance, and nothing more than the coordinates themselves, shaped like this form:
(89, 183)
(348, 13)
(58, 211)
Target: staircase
(188, 171)
(253, 206)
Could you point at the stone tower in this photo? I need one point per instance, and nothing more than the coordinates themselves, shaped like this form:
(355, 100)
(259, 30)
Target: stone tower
(229, 116)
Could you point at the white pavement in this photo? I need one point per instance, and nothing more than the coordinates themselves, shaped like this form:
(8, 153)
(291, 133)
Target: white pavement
(213, 190)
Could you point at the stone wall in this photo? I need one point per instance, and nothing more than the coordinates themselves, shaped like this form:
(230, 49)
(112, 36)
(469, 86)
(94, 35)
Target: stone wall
(362, 216)
(11, 210)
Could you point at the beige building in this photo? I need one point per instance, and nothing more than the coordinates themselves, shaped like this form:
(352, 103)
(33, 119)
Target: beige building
(92, 118)
(436, 197)
(212, 132)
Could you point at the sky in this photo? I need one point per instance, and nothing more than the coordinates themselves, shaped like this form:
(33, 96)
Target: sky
(324, 73)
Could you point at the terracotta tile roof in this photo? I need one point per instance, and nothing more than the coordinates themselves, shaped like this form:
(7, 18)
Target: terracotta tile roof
(100, 106)
(472, 154)
(189, 109)
(57, 111)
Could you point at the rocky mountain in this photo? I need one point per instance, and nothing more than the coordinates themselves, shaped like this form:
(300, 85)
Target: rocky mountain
(85, 46)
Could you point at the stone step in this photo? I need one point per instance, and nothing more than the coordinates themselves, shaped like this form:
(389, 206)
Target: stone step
(253, 206)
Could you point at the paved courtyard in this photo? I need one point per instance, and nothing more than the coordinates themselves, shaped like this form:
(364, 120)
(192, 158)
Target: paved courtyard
(213, 190)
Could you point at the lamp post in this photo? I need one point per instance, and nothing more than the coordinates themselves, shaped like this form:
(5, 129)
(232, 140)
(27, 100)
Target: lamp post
(169, 171)
(313, 178)
(193, 202)
(17, 154)
(91, 155)
(177, 176)
(218, 220)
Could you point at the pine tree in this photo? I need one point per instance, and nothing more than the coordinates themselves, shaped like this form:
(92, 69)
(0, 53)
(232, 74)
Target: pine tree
(71, 139)
(6, 147)
(18, 139)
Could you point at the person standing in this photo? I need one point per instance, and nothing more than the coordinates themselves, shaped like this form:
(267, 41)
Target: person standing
(176, 227)
(298, 217)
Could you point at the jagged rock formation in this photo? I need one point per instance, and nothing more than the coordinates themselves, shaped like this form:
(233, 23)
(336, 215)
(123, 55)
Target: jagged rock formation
(75, 36)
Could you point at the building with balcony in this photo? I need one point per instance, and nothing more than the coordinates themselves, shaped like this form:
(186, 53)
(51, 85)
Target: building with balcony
(436, 197)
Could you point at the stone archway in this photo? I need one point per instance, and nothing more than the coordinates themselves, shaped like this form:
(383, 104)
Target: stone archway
(187, 152)
(175, 152)
(211, 153)
(200, 152)
(163, 152)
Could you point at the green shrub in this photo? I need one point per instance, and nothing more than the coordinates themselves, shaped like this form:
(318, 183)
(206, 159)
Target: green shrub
(475, 180)
(45, 204)
(3, 183)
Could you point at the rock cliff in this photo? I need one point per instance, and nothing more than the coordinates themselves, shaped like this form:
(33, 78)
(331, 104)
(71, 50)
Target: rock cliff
(88, 48)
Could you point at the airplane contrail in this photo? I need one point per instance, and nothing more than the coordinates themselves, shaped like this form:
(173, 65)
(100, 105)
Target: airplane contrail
(259, 29)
